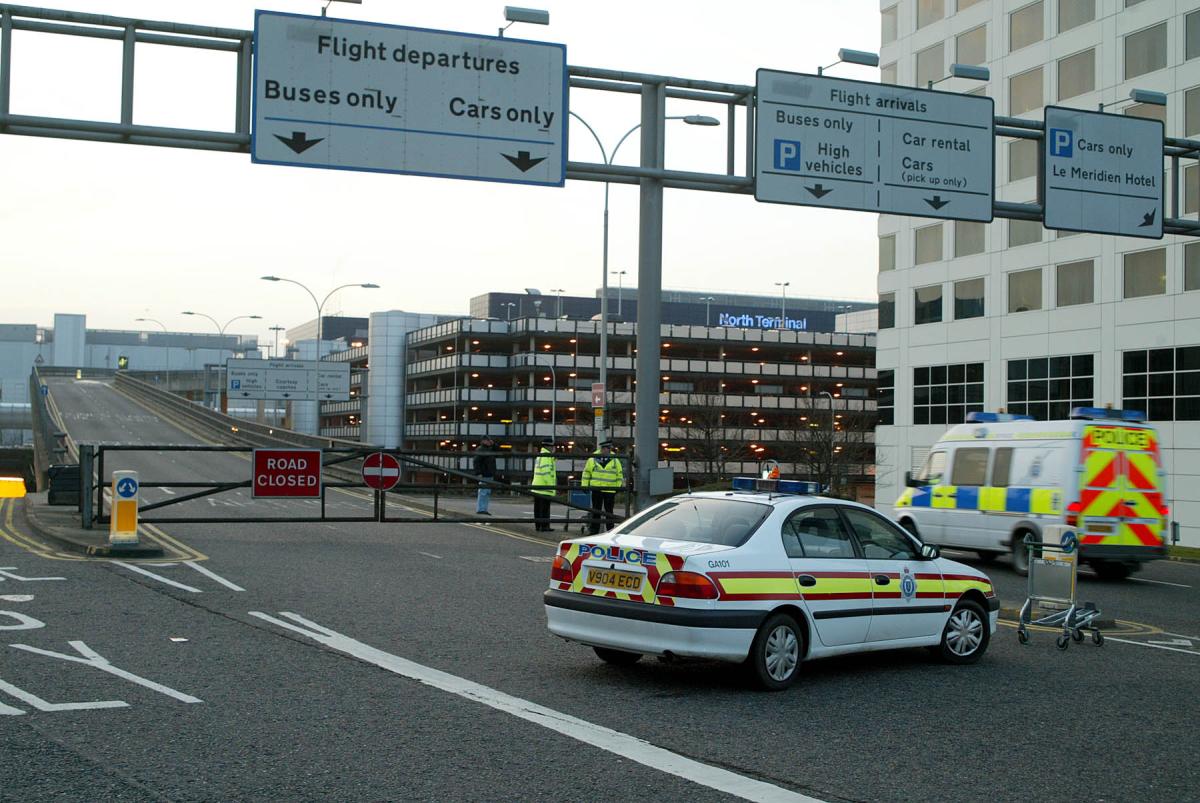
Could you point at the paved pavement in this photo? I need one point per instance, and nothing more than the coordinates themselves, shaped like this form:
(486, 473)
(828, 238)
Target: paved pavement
(401, 662)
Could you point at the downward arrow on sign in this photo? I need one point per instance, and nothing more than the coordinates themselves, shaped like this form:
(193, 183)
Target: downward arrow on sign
(299, 141)
(936, 202)
(523, 161)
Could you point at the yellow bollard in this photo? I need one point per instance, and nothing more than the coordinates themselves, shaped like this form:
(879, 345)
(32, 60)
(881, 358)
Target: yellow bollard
(123, 523)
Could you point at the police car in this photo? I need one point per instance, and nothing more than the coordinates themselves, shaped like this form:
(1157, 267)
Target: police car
(767, 574)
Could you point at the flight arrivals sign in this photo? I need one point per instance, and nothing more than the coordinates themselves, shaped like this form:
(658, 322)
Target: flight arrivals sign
(364, 96)
(287, 380)
(1103, 173)
(873, 147)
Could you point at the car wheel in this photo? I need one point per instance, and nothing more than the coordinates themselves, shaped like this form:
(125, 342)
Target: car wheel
(965, 637)
(617, 657)
(1020, 553)
(775, 656)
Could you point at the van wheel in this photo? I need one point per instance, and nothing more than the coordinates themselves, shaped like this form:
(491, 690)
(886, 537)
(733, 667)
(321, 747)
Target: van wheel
(1107, 570)
(1020, 553)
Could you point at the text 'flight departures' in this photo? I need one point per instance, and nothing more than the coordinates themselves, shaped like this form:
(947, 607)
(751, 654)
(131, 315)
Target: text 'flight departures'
(364, 96)
(874, 147)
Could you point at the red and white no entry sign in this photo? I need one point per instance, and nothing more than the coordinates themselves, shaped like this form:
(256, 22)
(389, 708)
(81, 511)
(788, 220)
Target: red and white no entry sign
(381, 471)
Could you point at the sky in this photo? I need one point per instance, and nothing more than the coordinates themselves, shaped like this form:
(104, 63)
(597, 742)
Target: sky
(120, 232)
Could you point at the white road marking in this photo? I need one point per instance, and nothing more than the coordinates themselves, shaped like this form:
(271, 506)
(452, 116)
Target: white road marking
(167, 491)
(621, 744)
(212, 575)
(537, 558)
(430, 555)
(23, 622)
(1175, 642)
(1157, 582)
(16, 597)
(157, 577)
(178, 639)
(6, 572)
(1151, 646)
(42, 705)
(97, 661)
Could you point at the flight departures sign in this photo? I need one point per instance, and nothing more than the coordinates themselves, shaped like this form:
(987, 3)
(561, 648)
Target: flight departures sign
(873, 147)
(1103, 173)
(352, 95)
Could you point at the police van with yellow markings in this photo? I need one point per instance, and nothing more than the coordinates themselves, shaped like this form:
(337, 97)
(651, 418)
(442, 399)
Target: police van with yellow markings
(769, 575)
(988, 483)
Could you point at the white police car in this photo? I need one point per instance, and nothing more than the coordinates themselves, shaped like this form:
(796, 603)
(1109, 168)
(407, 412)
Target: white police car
(767, 575)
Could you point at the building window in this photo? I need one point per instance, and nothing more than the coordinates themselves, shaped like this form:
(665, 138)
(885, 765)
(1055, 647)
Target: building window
(1191, 266)
(1075, 283)
(889, 26)
(944, 394)
(968, 299)
(1147, 111)
(930, 11)
(928, 301)
(1146, 273)
(1191, 189)
(1163, 383)
(1129, 3)
(968, 238)
(887, 310)
(1022, 159)
(1191, 35)
(1025, 91)
(928, 244)
(1191, 112)
(888, 74)
(885, 404)
(1025, 26)
(962, 4)
(887, 252)
(1024, 232)
(971, 47)
(1049, 387)
(1076, 74)
(1025, 290)
(1146, 51)
(931, 64)
(1073, 13)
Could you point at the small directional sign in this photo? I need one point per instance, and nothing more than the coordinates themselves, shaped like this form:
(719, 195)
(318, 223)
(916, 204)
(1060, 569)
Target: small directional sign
(874, 147)
(1103, 173)
(362, 96)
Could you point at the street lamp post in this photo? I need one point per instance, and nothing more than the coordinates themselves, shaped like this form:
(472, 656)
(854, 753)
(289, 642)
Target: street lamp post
(510, 306)
(783, 286)
(221, 347)
(690, 119)
(320, 305)
(558, 292)
(164, 328)
(708, 300)
(620, 274)
(276, 330)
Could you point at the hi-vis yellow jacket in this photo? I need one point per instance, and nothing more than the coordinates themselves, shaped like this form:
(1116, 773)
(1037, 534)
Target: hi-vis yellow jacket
(544, 472)
(603, 473)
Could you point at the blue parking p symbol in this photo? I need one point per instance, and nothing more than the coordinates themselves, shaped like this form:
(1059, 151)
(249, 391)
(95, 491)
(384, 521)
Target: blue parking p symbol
(787, 154)
(1062, 142)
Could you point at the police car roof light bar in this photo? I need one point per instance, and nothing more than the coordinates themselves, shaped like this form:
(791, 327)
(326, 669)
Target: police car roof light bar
(993, 418)
(776, 486)
(1136, 416)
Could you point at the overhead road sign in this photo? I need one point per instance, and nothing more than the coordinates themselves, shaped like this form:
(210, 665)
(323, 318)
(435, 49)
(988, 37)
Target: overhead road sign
(380, 471)
(291, 473)
(873, 147)
(1102, 173)
(287, 380)
(364, 96)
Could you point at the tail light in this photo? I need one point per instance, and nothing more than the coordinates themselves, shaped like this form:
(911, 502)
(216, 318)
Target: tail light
(561, 570)
(1073, 511)
(686, 585)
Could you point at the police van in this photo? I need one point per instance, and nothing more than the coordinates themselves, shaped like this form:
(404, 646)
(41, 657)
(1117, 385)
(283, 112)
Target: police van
(988, 483)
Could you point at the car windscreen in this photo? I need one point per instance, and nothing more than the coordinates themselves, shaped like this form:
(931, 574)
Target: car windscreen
(728, 522)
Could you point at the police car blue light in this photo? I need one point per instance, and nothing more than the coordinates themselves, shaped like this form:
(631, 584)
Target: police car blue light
(992, 418)
(776, 486)
(1108, 412)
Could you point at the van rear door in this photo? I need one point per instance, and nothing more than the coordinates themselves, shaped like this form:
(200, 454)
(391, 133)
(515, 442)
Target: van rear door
(1121, 493)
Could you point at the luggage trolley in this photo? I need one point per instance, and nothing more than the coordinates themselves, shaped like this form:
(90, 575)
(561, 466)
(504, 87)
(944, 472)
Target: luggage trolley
(1052, 574)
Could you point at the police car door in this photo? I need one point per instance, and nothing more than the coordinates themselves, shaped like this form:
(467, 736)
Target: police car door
(831, 575)
(908, 593)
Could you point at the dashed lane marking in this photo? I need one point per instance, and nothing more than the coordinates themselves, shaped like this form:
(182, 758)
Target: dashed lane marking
(213, 575)
(1157, 582)
(157, 577)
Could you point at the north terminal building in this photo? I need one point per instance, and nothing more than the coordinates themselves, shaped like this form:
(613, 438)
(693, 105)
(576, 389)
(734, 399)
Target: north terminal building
(1009, 314)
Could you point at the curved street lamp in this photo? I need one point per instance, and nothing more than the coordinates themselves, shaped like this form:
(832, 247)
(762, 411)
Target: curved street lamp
(221, 347)
(320, 305)
(168, 356)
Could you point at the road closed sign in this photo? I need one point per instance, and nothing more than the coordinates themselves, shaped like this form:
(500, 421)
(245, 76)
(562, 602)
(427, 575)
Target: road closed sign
(289, 473)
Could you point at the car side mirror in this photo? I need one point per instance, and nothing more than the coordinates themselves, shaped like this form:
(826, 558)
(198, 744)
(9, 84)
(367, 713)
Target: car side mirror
(930, 552)
(910, 482)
